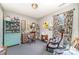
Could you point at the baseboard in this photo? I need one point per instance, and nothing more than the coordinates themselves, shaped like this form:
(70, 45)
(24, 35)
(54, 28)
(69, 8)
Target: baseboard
(12, 45)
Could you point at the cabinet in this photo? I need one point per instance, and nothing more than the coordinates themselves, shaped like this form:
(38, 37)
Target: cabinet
(11, 39)
(44, 37)
(24, 38)
(12, 35)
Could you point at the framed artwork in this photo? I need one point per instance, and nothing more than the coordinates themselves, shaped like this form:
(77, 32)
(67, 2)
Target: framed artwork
(45, 25)
(23, 25)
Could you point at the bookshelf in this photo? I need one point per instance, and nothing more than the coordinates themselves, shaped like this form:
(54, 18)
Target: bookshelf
(12, 35)
(12, 26)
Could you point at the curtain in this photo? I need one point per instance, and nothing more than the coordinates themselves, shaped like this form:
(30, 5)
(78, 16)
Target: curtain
(55, 26)
(66, 19)
(69, 23)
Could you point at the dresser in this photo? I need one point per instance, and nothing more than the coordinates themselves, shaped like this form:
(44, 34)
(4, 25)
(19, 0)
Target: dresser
(24, 38)
(44, 37)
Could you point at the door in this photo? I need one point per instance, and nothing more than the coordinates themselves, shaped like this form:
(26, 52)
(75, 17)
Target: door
(1, 27)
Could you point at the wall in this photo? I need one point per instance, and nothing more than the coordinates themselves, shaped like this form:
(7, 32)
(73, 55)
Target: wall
(78, 20)
(15, 38)
(28, 19)
(50, 22)
(58, 11)
(1, 26)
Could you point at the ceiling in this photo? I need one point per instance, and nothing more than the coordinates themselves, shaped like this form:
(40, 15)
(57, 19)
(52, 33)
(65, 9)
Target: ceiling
(26, 8)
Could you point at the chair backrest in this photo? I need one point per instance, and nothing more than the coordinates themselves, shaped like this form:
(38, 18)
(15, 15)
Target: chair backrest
(60, 41)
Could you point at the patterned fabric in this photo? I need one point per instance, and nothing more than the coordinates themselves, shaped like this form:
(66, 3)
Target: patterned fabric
(55, 26)
(64, 19)
(68, 23)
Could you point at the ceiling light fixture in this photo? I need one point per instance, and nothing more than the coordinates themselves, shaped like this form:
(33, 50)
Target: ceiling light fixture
(34, 5)
(62, 4)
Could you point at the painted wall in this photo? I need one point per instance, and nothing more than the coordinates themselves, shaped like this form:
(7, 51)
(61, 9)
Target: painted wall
(28, 19)
(49, 18)
(1, 26)
(15, 38)
(78, 20)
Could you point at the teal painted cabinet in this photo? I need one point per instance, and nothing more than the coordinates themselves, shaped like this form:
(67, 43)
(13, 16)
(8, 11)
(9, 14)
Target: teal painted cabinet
(12, 35)
(12, 39)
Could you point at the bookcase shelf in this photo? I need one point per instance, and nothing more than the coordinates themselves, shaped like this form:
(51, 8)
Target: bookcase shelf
(12, 34)
(12, 26)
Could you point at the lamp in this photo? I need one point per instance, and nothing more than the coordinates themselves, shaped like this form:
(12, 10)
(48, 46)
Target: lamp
(34, 5)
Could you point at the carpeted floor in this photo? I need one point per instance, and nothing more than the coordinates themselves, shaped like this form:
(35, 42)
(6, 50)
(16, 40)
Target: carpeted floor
(35, 48)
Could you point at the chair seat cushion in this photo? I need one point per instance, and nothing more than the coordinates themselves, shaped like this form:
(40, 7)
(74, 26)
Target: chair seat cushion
(53, 46)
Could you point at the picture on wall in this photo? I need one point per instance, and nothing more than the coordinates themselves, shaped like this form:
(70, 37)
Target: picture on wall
(23, 25)
(45, 25)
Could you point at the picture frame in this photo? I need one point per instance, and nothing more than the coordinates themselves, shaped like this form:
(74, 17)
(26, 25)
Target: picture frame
(23, 25)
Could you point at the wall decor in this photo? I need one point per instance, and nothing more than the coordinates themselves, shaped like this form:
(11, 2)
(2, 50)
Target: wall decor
(33, 26)
(28, 25)
(23, 25)
(45, 25)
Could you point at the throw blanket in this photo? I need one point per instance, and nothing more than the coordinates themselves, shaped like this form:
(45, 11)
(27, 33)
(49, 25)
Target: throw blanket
(71, 51)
